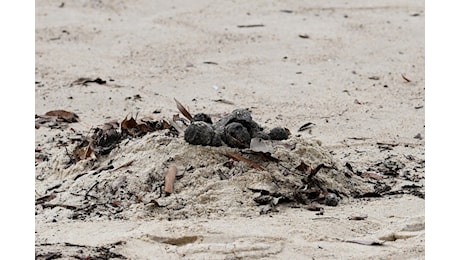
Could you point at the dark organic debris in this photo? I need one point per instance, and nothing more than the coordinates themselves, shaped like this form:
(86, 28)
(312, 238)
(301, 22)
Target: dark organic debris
(374, 77)
(357, 217)
(250, 25)
(105, 138)
(390, 167)
(306, 126)
(365, 242)
(405, 78)
(85, 81)
(304, 36)
(224, 101)
(210, 62)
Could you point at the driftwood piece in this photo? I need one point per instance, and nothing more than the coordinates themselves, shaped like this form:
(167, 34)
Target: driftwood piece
(170, 177)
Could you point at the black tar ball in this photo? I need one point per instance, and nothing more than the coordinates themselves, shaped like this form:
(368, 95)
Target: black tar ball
(279, 133)
(199, 133)
(236, 135)
(202, 117)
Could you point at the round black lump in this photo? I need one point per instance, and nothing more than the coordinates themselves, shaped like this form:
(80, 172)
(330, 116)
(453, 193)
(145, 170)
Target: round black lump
(202, 117)
(279, 133)
(200, 133)
(236, 135)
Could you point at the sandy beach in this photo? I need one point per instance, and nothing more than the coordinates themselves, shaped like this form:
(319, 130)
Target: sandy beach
(346, 78)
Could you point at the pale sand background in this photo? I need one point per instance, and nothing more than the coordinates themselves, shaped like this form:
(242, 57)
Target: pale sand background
(157, 50)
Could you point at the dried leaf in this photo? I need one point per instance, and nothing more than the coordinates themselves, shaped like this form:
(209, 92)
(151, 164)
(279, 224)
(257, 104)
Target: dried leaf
(306, 126)
(170, 177)
(241, 158)
(304, 36)
(357, 217)
(85, 81)
(250, 25)
(81, 153)
(63, 115)
(128, 123)
(365, 242)
(405, 78)
(183, 110)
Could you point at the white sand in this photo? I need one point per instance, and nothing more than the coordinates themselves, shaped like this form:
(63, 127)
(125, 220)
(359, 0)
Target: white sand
(346, 77)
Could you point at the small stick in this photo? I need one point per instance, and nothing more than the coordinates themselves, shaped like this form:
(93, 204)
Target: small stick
(170, 177)
(124, 165)
(237, 157)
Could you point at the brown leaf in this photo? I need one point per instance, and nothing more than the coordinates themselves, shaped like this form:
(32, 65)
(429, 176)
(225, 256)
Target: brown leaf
(81, 153)
(128, 123)
(183, 110)
(237, 157)
(63, 115)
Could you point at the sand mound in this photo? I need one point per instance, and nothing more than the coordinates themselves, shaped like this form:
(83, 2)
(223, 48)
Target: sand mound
(129, 181)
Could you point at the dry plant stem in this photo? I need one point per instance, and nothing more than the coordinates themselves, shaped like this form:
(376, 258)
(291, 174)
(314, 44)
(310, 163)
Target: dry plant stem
(170, 177)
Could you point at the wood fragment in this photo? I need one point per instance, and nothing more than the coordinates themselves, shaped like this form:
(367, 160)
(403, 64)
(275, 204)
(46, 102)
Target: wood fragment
(183, 110)
(170, 177)
(237, 157)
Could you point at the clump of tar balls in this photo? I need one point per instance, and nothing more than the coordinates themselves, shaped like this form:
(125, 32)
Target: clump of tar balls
(235, 130)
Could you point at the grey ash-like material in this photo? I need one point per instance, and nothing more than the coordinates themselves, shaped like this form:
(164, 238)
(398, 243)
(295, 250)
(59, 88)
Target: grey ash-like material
(235, 130)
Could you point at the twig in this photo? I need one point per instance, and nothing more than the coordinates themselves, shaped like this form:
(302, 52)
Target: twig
(94, 185)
